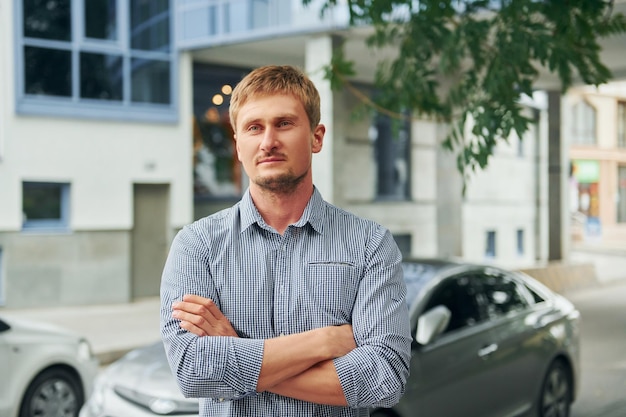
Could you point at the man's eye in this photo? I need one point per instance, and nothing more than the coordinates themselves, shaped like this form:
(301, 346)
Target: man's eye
(284, 123)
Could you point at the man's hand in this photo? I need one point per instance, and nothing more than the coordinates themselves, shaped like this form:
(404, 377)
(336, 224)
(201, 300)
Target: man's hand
(201, 317)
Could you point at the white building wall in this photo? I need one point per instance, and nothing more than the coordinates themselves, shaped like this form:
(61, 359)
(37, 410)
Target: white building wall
(6, 39)
(503, 198)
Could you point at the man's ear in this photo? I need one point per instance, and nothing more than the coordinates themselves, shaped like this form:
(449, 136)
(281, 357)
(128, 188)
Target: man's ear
(318, 138)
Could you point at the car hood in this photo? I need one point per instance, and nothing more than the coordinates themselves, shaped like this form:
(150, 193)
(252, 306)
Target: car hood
(145, 370)
(25, 331)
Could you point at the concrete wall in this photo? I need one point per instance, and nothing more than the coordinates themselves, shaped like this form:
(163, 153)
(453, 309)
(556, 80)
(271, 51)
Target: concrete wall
(73, 269)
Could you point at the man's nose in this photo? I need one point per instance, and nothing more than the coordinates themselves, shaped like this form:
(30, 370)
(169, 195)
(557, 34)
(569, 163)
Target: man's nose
(269, 140)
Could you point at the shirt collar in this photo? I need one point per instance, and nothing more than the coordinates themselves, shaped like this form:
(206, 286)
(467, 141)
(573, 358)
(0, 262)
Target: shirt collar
(313, 212)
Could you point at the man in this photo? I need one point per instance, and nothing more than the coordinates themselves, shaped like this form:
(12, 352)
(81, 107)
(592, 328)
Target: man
(284, 305)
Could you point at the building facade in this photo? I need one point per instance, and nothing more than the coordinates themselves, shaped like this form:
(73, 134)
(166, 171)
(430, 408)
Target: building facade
(114, 134)
(596, 120)
(94, 158)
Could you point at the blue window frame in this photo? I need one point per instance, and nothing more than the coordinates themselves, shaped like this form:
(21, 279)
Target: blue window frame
(45, 206)
(105, 59)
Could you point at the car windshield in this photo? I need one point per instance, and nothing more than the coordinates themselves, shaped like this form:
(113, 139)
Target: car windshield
(416, 275)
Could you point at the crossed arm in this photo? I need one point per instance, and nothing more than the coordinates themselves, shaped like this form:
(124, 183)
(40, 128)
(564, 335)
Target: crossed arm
(298, 366)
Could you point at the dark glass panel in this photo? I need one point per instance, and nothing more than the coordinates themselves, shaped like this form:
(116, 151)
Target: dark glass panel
(41, 201)
(150, 25)
(100, 76)
(150, 81)
(47, 71)
(47, 19)
(101, 19)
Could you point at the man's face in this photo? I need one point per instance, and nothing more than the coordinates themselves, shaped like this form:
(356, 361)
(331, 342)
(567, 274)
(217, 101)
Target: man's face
(275, 143)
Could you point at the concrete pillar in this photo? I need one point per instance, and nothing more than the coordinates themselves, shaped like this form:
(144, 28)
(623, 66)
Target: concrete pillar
(319, 52)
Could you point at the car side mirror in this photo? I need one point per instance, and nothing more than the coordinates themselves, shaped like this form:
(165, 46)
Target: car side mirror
(4, 326)
(431, 324)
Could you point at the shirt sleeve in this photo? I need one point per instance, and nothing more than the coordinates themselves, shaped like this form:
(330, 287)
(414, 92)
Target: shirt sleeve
(216, 367)
(375, 373)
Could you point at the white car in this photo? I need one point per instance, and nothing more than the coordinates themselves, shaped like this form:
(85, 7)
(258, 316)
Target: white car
(46, 371)
(140, 384)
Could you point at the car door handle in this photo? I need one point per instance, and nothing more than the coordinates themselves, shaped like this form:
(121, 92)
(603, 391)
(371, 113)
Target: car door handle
(487, 350)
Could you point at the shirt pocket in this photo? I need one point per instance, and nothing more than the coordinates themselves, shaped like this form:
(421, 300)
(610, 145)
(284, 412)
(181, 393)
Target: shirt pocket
(332, 289)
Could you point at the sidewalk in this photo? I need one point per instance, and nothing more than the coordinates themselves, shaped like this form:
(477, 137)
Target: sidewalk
(114, 329)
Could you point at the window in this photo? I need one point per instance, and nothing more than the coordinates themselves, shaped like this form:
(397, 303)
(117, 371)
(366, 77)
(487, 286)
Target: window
(2, 300)
(584, 124)
(621, 124)
(490, 247)
(404, 244)
(96, 58)
(458, 294)
(45, 206)
(621, 194)
(502, 296)
(520, 242)
(392, 145)
(217, 171)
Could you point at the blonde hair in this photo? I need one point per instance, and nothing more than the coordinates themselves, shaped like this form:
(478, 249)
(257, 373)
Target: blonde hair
(276, 79)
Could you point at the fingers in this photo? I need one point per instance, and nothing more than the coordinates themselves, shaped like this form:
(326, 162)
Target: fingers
(200, 316)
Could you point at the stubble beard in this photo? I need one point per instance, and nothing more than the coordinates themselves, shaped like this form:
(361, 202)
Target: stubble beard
(285, 183)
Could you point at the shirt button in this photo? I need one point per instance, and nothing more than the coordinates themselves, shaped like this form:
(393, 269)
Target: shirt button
(220, 400)
(282, 334)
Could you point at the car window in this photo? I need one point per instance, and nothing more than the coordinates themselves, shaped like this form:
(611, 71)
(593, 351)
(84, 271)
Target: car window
(502, 295)
(537, 298)
(416, 275)
(458, 294)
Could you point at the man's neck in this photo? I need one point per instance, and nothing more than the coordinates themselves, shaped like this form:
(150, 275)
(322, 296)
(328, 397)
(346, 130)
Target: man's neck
(279, 210)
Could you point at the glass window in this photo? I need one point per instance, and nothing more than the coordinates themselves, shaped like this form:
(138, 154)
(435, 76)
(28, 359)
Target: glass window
(101, 19)
(490, 247)
(150, 25)
(47, 71)
(536, 297)
(392, 150)
(260, 14)
(404, 244)
(118, 77)
(502, 296)
(101, 76)
(217, 171)
(47, 19)
(459, 295)
(150, 81)
(621, 194)
(45, 205)
(2, 300)
(584, 124)
(621, 124)
(520, 242)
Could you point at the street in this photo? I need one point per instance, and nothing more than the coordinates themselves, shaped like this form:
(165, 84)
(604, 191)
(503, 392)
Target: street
(603, 383)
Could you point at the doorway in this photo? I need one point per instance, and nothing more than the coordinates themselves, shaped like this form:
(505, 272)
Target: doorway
(149, 238)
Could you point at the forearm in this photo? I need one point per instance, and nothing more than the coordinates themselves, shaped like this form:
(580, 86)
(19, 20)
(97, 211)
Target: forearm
(214, 367)
(318, 384)
(286, 357)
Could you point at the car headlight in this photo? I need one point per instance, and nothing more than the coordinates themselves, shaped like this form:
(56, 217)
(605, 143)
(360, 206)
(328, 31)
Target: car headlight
(162, 406)
(84, 353)
(95, 404)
